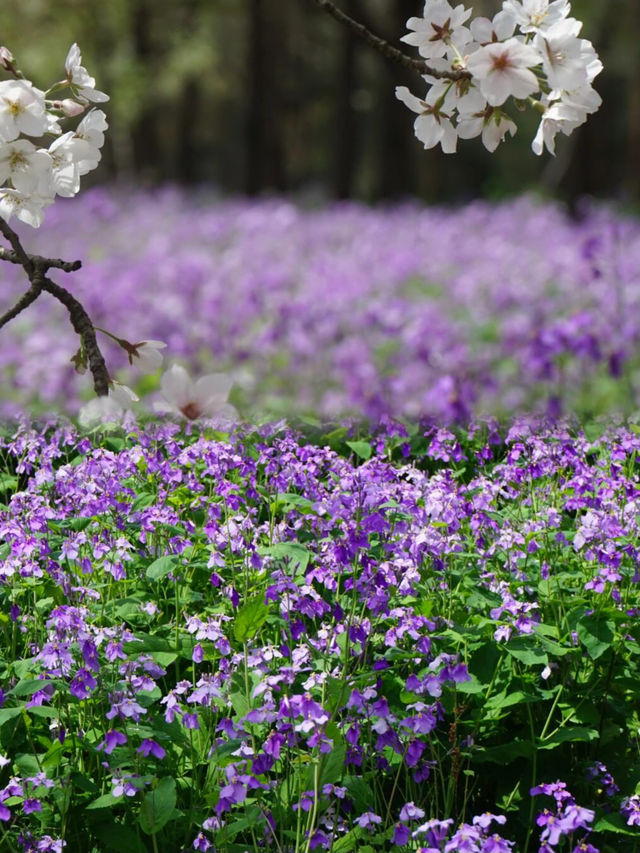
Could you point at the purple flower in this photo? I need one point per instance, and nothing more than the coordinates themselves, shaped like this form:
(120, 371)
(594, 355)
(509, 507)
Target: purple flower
(410, 812)
(200, 842)
(112, 739)
(368, 819)
(400, 835)
(31, 805)
(151, 747)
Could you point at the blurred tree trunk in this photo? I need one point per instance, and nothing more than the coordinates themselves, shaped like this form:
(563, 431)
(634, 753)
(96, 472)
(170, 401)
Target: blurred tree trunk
(632, 175)
(265, 61)
(189, 110)
(144, 135)
(346, 144)
(396, 174)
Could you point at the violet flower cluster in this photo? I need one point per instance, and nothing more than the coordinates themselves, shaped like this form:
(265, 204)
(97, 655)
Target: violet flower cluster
(405, 311)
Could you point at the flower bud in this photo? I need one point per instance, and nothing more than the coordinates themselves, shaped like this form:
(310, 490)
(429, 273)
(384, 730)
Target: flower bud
(69, 107)
(6, 58)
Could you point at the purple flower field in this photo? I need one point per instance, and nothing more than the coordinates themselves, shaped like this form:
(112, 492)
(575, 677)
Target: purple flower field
(410, 626)
(419, 642)
(407, 311)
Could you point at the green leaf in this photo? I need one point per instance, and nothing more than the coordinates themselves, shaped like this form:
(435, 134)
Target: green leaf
(360, 792)
(331, 764)
(157, 806)
(160, 568)
(250, 618)
(361, 448)
(29, 686)
(568, 735)
(106, 801)
(293, 551)
(614, 823)
(504, 753)
(8, 481)
(7, 714)
(142, 502)
(348, 842)
(251, 817)
(528, 650)
(117, 837)
(596, 634)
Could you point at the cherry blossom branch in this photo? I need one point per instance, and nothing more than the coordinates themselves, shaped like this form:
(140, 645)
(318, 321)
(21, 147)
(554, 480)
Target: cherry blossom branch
(387, 50)
(36, 268)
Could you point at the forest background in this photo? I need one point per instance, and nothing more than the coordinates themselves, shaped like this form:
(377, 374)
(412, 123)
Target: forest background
(267, 96)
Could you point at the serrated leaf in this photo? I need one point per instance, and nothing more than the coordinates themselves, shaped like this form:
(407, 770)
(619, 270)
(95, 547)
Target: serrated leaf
(157, 806)
(250, 618)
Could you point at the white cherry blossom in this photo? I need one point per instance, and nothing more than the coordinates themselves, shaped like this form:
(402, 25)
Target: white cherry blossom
(502, 27)
(22, 110)
(91, 130)
(433, 125)
(503, 69)
(561, 52)
(537, 15)
(146, 355)
(26, 208)
(78, 77)
(440, 29)
(477, 118)
(25, 166)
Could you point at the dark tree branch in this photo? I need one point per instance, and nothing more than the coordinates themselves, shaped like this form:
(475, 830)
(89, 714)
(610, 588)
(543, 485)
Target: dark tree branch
(82, 324)
(30, 296)
(388, 51)
(44, 263)
(36, 268)
(16, 245)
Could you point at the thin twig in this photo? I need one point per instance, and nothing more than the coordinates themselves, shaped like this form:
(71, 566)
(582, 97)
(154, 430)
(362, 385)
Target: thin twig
(30, 296)
(43, 263)
(387, 50)
(36, 267)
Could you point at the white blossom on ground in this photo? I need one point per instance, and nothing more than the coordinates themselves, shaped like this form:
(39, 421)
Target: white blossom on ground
(100, 410)
(206, 397)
